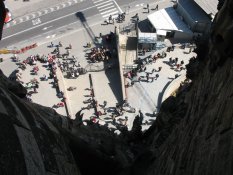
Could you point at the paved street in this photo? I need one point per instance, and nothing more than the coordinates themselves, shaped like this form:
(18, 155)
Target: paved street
(107, 85)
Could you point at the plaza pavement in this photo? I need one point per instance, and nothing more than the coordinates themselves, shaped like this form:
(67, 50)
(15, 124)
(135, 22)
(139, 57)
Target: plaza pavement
(106, 84)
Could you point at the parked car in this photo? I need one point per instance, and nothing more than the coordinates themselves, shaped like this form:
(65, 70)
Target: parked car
(8, 16)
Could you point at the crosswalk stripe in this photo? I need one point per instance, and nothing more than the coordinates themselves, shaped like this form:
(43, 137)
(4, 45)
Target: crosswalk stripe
(112, 13)
(97, 1)
(106, 8)
(104, 5)
(108, 11)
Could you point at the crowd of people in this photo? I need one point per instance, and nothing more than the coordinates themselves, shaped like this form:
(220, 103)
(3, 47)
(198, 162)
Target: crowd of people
(51, 62)
(140, 72)
(116, 112)
(99, 54)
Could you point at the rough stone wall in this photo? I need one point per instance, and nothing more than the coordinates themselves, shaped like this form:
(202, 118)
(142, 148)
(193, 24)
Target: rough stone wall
(31, 141)
(36, 140)
(201, 140)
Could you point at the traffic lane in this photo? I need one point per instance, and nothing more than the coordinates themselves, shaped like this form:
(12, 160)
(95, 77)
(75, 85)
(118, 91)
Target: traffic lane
(47, 17)
(52, 25)
(127, 2)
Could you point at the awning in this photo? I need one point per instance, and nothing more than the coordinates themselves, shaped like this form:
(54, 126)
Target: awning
(168, 19)
(147, 37)
(161, 32)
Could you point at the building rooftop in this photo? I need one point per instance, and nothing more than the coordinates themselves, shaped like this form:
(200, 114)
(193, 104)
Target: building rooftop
(168, 19)
(209, 6)
(197, 13)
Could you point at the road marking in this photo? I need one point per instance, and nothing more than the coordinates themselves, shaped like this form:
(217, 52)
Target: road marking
(74, 31)
(142, 4)
(103, 2)
(39, 13)
(106, 8)
(45, 11)
(113, 13)
(27, 18)
(45, 23)
(118, 6)
(45, 28)
(104, 5)
(51, 36)
(97, 1)
(33, 15)
(36, 21)
(108, 11)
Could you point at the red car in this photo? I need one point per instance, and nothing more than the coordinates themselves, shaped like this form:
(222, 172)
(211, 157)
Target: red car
(8, 16)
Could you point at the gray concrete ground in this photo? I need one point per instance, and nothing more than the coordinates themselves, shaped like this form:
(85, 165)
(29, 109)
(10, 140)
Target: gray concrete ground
(143, 95)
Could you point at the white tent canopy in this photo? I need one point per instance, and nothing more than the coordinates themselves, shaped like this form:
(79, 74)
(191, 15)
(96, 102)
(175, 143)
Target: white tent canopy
(168, 19)
(147, 37)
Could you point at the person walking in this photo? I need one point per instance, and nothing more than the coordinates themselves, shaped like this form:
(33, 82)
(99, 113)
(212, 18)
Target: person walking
(157, 7)
(70, 46)
(104, 104)
(147, 77)
(109, 19)
(159, 69)
(157, 76)
(59, 44)
(148, 8)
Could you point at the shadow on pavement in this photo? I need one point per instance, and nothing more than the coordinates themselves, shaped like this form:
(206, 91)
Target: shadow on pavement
(83, 20)
(131, 43)
(113, 73)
